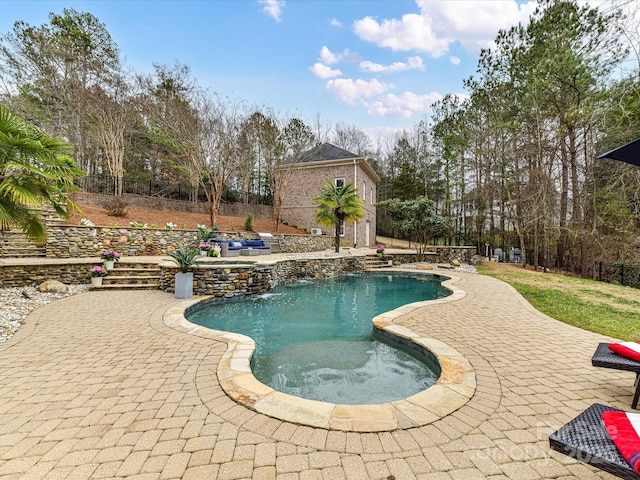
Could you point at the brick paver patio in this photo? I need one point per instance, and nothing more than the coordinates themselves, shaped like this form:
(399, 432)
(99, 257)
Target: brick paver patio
(97, 386)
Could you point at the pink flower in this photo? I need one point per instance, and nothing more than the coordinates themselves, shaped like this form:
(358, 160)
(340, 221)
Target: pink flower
(98, 271)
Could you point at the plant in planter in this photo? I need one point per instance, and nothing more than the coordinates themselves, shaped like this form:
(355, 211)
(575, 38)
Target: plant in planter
(109, 257)
(204, 249)
(185, 258)
(205, 233)
(97, 273)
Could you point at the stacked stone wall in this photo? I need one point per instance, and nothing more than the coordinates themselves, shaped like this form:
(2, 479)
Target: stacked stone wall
(446, 254)
(77, 241)
(237, 279)
(23, 275)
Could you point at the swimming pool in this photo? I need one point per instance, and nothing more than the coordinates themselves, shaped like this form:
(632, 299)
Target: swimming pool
(232, 371)
(314, 339)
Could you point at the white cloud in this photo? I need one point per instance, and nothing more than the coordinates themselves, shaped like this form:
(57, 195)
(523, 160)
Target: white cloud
(322, 71)
(335, 22)
(273, 8)
(412, 32)
(454, 60)
(473, 23)
(413, 63)
(329, 58)
(403, 106)
(348, 90)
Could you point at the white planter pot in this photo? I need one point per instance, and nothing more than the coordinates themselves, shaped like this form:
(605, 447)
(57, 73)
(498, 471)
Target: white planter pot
(390, 262)
(108, 264)
(217, 249)
(96, 281)
(184, 285)
(204, 253)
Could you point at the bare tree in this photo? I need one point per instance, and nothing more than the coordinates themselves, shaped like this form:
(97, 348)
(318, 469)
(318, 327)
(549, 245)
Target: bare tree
(112, 118)
(295, 138)
(219, 131)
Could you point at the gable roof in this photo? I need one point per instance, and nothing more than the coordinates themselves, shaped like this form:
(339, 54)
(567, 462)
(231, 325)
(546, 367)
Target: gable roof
(327, 155)
(326, 152)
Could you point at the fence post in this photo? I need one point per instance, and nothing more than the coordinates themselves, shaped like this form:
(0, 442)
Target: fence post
(599, 271)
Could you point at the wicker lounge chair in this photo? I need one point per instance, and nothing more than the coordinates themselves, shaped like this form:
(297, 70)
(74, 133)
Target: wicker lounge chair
(585, 438)
(607, 359)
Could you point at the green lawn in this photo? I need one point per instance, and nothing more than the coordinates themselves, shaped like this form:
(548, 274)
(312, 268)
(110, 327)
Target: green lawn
(599, 307)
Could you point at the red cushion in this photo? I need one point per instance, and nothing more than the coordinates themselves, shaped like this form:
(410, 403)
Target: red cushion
(624, 430)
(627, 349)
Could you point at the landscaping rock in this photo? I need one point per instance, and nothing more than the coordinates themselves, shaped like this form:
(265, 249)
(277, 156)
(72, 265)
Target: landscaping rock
(52, 286)
(424, 266)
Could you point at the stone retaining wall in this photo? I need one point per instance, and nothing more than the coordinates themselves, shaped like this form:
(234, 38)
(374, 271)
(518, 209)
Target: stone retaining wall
(236, 279)
(22, 275)
(69, 241)
(446, 254)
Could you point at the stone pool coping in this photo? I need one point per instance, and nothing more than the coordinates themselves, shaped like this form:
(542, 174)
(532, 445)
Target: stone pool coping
(455, 387)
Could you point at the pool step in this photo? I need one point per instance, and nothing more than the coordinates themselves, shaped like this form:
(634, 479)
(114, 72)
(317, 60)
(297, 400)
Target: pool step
(373, 262)
(139, 275)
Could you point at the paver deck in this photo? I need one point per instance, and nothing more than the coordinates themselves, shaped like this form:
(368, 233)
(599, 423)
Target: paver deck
(97, 386)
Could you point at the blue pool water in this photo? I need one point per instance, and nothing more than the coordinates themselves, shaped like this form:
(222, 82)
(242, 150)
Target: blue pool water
(314, 338)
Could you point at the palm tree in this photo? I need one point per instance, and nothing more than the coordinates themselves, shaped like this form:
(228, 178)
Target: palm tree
(35, 170)
(336, 205)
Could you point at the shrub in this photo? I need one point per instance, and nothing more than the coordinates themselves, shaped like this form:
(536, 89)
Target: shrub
(248, 223)
(116, 207)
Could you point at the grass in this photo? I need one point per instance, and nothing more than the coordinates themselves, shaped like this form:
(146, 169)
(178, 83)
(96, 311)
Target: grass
(599, 307)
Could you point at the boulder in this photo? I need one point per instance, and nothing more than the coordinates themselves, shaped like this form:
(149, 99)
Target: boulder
(455, 263)
(424, 266)
(53, 286)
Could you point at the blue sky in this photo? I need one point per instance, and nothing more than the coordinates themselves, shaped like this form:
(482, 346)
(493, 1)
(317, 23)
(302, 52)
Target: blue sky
(374, 64)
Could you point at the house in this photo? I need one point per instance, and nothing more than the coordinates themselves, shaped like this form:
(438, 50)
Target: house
(328, 162)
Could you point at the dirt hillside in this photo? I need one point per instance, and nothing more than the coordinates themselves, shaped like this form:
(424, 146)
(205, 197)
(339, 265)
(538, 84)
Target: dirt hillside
(159, 218)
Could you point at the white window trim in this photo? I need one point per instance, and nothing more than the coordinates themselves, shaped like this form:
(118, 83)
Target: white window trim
(336, 180)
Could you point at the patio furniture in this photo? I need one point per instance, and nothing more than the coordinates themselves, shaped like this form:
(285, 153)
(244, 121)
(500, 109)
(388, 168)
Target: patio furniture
(228, 250)
(249, 252)
(605, 358)
(234, 248)
(585, 438)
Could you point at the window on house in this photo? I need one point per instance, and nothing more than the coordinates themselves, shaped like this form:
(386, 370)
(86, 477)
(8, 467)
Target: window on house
(339, 182)
(371, 197)
(342, 230)
(364, 191)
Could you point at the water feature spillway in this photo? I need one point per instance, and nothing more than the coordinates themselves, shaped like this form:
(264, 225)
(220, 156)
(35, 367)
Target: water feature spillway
(314, 338)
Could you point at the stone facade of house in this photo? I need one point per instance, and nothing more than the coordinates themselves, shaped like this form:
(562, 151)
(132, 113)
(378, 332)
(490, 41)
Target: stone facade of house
(328, 162)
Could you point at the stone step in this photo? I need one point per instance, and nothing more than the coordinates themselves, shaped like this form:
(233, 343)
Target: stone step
(373, 262)
(132, 275)
(143, 270)
(129, 279)
(126, 286)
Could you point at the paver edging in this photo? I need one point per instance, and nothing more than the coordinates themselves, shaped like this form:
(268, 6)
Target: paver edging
(454, 388)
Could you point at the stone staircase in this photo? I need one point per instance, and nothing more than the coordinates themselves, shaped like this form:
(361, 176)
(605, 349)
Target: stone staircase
(373, 262)
(132, 275)
(13, 243)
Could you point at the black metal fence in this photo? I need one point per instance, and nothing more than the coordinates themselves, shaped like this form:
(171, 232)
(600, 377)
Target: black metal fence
(619, 274)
